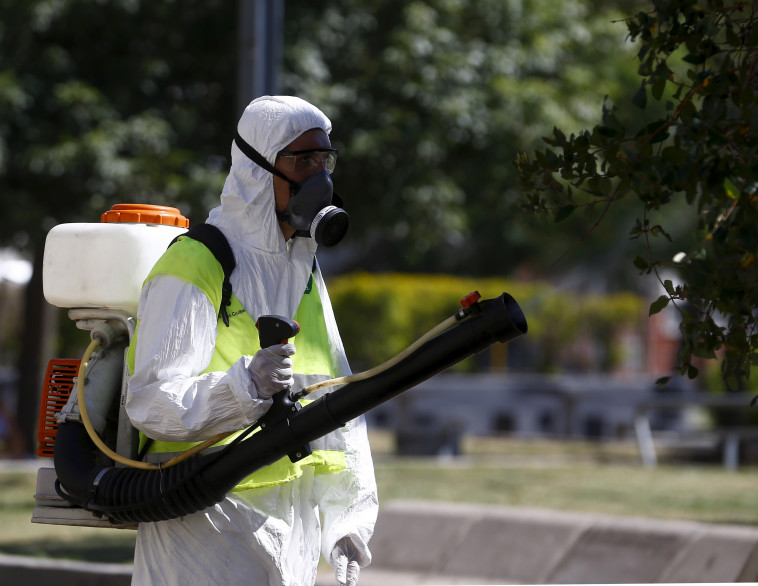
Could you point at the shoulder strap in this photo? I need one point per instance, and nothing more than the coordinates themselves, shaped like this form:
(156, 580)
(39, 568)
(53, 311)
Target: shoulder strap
(258, 158)
(215, 241)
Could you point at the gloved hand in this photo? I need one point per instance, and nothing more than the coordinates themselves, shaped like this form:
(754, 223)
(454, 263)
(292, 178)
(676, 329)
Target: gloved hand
(271, 369)
(346, 568)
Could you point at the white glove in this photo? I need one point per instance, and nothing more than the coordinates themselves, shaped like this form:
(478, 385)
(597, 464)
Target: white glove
(271, 369)
(346, 568)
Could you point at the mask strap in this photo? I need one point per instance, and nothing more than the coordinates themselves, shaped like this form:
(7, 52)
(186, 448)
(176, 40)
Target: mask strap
(258, 158)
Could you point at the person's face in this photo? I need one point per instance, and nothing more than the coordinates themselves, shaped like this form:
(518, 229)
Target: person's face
(311, 139)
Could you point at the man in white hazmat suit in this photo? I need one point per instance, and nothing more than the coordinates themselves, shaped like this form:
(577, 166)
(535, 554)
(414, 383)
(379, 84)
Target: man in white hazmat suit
(189, 383)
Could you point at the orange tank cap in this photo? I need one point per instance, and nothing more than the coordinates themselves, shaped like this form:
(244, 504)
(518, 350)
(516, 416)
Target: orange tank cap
(144, 214)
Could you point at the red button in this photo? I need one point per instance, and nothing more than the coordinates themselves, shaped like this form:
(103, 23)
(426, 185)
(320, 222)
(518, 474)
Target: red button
(470, 299)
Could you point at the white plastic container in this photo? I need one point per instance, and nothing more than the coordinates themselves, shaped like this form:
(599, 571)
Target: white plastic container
(104, 265)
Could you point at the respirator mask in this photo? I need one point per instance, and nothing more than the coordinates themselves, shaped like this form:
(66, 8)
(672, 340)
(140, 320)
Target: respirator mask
(314, 210)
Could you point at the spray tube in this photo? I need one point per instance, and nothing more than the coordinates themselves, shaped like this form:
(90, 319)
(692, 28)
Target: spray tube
(132, 495)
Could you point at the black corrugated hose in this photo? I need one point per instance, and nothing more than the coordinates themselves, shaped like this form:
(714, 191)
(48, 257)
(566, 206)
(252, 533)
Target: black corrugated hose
(132, 495)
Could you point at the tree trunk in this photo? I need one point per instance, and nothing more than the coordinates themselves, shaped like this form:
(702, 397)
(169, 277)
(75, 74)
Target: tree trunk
(36, 344)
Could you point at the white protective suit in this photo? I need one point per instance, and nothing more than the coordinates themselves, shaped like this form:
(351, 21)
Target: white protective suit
(270, 535)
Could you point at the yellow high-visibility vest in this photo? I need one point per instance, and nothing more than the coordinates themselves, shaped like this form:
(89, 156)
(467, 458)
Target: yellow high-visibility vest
(194, 263)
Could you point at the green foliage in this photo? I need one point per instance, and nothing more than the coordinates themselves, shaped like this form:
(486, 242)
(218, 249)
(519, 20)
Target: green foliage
(112, 101)
(431, 102)
(379, 315)
(133, 100)
(698, 59)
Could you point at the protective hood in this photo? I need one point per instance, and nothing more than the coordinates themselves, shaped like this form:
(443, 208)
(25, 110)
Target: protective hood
(272, 274)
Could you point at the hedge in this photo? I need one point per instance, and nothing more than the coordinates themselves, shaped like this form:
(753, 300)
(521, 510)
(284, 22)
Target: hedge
(380, 314)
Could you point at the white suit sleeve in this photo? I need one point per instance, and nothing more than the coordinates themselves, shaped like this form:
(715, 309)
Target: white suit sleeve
(348, 499)
(168, 398)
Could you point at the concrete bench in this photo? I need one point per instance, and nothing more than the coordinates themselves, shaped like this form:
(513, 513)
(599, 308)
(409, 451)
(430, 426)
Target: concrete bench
(729, 437)
(422, 542)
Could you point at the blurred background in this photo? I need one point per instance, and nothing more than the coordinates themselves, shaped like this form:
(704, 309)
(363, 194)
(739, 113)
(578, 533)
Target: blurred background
(129, 101)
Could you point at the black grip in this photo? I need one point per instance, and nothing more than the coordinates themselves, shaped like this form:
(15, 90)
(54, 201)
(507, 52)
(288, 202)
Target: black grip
(275, 329)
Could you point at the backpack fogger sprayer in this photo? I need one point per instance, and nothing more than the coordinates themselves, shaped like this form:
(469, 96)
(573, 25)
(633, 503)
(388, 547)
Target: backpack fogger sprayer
(96, 480)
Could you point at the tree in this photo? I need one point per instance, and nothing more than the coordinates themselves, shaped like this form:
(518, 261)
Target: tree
(431, 102)
(133, 100)
(106, 102)
(699, 59)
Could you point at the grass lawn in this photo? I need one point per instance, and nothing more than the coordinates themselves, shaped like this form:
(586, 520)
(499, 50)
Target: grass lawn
(695, 494)
(575, 476)
(19, 536)
(602, 478)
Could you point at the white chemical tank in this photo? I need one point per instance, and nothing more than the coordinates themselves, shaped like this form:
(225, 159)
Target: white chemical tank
(104, 265)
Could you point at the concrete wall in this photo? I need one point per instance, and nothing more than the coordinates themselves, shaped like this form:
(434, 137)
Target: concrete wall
(423, 542)
(420, 542)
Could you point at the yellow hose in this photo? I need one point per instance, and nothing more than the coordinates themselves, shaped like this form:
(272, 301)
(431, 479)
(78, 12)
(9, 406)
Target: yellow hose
(105, 449)
(449, 322)
(435, 331)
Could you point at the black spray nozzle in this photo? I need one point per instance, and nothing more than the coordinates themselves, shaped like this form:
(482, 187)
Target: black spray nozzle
(128, 494)
(275, 329)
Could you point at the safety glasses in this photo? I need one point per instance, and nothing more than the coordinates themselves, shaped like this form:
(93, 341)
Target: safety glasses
(308, 161)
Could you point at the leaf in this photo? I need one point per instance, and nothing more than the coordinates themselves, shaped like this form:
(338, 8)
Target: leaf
(669, 286)
(663, 381)
(659, 304)
(658, 86)
(675, 155)
(551, 158)
(694, 59)
(731, 190)
(640, 97)
(607, 131)
(658, 230)
(653, 130)
(641, 264)
(564, 213)
(731, 37)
